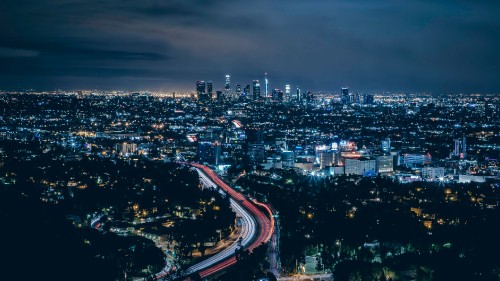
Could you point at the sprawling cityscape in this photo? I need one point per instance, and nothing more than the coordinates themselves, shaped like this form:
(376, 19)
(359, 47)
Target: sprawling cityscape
(235, 141)
(169, 186)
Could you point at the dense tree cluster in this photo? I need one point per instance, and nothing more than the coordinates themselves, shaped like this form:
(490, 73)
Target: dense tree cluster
(139, 194)
(382, 222)
(40, 244)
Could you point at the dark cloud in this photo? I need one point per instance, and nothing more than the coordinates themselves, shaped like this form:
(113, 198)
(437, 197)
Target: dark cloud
(415, 45)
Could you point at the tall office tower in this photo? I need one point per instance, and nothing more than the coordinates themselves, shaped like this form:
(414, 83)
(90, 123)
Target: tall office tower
(287, 93)
(385, 164)
(298, 97)
(456, 147)
(209, 152)
(277, 95)
(460, 148)
(267, 84)
(219, 96)
(227, 87)
(464, 148)
(369, 99)
(210, 91)
(345, 95)
(256, 90)
(200, 89)
(309, 98)
(288, 159)
(238, 90)
(386, 146)
(246, 90)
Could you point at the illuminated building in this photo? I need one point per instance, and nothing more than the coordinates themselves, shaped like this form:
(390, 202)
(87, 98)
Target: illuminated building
(219, 95)
(200, 89)
(326, 158)
(238, 90)
(227, 87)
(125, 148)
(210, 89)
(369, 99)
(345, 95)
(266, 86)
(360, 166)
(277, 95)
(385, 164)
(256, 90)
(386, 146)
(416, 159)
(309, 97)
(288, 159)
(246, 90)
(433, 173)
(460, 148)
(209, 152)
(256, 153)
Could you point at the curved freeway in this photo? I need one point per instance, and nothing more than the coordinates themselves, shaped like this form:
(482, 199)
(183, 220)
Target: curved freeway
(247, 234)
(257, 228)
(264, 224)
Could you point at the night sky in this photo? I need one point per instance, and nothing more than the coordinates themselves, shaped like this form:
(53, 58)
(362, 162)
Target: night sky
(409, 45)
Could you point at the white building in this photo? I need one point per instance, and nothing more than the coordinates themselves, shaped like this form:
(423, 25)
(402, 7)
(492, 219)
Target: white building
(361, 166)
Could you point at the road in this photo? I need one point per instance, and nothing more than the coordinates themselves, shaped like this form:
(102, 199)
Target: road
(264, 224)
(273, 249)
(257, 228)
(247, 234)
(317, 277)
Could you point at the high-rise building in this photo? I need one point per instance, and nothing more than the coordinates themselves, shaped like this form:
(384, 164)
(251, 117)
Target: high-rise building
(386, 146)
(256, 90)
(227, 87)
(385, 164)
(200, 89)
(287, 93)
(360, 166)
(309, 97)
(219, 96)
(456, 147)
(266, 93)
(288, 159)
(246, 90)
(369, 99)
(357, 98)
(460, 148)
(326, 158)
(464, 148)
(256, 153)
(254, 134)
(345, 95)
(238, 90)
(277, 95)
(298, 96)
(210, 89)
(209, 152)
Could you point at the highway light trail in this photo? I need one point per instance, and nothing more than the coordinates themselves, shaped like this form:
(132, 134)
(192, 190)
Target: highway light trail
(257, 228)
(264, 225)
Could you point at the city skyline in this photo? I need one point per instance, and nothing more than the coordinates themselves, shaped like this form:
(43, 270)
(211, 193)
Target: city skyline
(322, 46)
